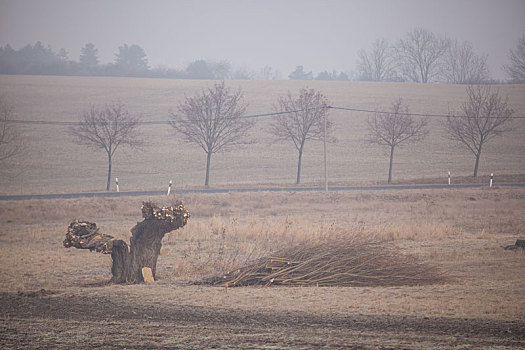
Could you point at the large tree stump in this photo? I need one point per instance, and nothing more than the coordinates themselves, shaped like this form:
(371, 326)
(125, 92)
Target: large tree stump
(145, 241)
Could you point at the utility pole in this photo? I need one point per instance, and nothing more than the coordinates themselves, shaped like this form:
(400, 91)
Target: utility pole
(324, 142)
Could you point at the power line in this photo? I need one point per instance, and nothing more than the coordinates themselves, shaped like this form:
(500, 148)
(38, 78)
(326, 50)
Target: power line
(148, 122)
(414, 114)
(167, 122)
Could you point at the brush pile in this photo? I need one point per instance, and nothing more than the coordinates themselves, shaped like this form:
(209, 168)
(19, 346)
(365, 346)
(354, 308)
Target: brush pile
(86, 235)
(334, 263)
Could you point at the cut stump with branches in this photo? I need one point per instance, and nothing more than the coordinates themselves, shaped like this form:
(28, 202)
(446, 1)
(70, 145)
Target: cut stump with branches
(145, 242)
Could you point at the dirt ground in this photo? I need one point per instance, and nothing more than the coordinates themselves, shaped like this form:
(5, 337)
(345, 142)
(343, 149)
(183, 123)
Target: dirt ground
(53, 297)
(43, 320)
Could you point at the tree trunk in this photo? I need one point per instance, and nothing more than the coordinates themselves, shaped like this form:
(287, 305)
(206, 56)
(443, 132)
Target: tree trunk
(391, 162)
(478, 154)
(208, 160)
(299, 166)
(109, 172)
(120, 256)
(145, 241)
(143, 252)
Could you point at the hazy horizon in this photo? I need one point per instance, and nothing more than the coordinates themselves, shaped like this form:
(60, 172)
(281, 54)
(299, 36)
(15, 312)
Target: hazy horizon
(320, 35)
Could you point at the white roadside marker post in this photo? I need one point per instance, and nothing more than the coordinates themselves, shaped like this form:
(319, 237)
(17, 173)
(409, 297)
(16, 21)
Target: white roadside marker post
(491, 179)
(116, 180)
(449, 177)
(169, 189)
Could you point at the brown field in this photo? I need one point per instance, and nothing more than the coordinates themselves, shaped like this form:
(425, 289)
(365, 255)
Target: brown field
(53, 163)
(53, 297)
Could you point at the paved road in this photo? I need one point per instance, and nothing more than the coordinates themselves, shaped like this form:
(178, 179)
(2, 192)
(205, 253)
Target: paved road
(228, 190)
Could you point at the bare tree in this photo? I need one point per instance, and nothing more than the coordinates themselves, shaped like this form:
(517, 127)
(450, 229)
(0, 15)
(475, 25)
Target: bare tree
(395, 128)
(304, 119)
(107, 128)
(516, 67)
(420, 54)
(461, 65)
(378, 64)
(11, 139)
(484, 115)
(213, 120)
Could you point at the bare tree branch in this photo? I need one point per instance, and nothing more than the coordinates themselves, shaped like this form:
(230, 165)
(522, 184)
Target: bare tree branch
(395, 128)
(213, 120)
(420, 53)
(377, 64)
(11, 139)
(516, 67)
(107, 128)
(303, 121)
(461, 65)
(484, 115)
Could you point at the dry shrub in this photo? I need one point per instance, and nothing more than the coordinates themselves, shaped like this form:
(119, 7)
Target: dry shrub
(340, 261)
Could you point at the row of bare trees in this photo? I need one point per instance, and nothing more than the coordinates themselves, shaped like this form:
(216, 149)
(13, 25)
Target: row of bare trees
(422, 56)
(484, 115)
(215, 120)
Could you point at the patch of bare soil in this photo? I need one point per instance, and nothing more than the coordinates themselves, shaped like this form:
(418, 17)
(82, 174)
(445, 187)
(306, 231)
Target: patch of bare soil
(48, 320)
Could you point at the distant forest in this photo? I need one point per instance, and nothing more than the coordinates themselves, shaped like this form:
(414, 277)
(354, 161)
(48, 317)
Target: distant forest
(420, 56)
(131, 61)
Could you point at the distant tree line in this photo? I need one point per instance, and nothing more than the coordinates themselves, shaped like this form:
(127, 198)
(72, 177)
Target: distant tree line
(300, 74)
(130, 60)
(423, 57)
(420, 56)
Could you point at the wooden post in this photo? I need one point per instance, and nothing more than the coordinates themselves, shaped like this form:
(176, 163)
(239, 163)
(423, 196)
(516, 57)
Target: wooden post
(325, 165)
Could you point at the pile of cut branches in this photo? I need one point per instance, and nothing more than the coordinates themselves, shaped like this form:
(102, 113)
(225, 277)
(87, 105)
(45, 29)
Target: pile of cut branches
(86, 235)
(336, 262)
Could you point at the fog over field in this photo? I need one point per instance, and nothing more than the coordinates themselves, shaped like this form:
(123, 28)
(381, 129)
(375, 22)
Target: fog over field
(321, 35)
(325, 219)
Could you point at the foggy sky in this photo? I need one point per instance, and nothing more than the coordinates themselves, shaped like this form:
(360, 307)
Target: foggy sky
(318, 34)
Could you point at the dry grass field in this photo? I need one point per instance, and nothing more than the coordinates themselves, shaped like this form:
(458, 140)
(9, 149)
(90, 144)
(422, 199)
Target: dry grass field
(53, 163)
(53, 297)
